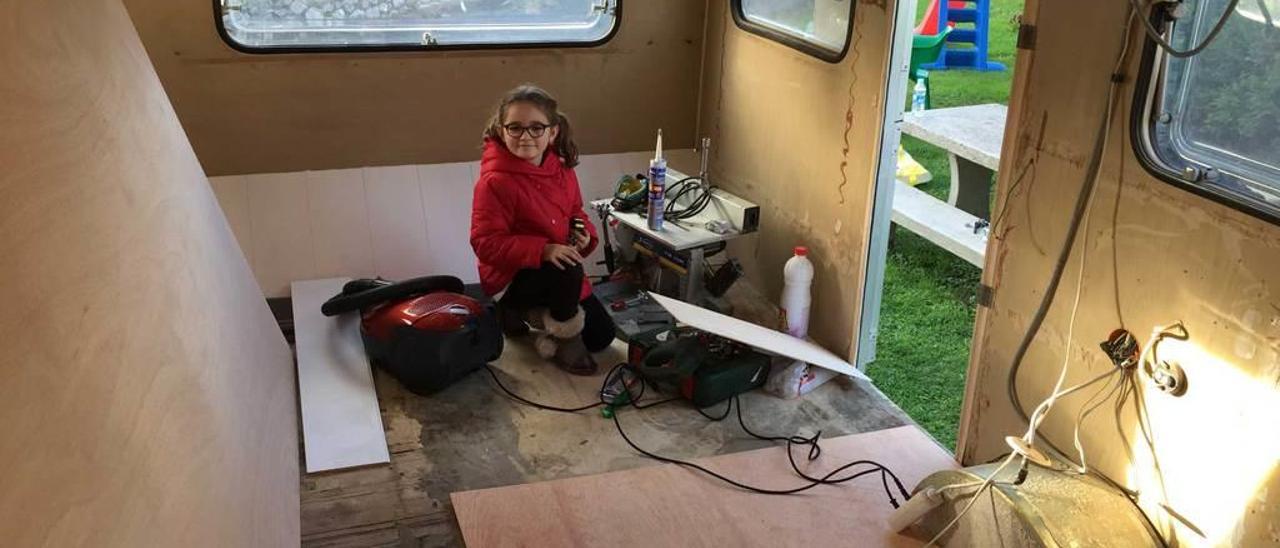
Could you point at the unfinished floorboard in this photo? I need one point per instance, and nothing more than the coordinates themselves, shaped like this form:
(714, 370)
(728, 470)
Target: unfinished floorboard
(669, 505)
(471, 436)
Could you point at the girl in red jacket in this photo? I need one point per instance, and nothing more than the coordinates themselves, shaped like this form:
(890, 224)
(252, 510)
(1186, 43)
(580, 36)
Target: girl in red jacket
(527, 203)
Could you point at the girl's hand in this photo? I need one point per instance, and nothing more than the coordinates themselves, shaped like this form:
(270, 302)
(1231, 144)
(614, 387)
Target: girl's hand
(562, 256)
(581, 240)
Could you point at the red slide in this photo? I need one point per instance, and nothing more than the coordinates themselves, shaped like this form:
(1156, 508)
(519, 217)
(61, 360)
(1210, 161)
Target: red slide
(929, 25)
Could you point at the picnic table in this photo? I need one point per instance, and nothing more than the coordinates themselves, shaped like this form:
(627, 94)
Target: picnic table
(971, 135)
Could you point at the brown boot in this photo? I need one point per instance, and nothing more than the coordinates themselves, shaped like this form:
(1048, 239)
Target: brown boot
(567, 329)
(562, 344)
(572, 356)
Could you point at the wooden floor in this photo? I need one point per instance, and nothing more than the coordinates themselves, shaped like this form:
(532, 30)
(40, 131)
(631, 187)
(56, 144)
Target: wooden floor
(471, 436)
(667, 505)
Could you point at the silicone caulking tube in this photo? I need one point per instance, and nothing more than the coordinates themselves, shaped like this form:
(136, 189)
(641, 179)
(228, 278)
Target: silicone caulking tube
(657, 186)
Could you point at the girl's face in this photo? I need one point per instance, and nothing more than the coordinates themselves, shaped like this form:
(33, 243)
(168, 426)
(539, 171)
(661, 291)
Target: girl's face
(527, 132)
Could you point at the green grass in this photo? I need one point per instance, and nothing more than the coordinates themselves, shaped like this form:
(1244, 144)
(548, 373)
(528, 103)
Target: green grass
(926, 320)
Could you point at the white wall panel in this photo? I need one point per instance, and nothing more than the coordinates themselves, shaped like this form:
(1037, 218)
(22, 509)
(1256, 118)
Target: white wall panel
(397, 222)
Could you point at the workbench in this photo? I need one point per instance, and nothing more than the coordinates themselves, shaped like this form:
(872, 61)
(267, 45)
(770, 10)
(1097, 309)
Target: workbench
(689, 237)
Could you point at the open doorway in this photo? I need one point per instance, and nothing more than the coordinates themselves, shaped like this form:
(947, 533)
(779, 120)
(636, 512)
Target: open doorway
(923, 307)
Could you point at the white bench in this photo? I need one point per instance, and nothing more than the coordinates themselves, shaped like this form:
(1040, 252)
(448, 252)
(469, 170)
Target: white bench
(947, 226)
(972, 136)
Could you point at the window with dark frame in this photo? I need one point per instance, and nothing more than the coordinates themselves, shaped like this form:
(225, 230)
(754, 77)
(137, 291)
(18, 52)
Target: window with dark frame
(266, 26)
(821, 28)
(1211, 122)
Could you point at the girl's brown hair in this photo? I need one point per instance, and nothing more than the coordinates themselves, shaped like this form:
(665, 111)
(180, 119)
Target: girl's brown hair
(529, 93)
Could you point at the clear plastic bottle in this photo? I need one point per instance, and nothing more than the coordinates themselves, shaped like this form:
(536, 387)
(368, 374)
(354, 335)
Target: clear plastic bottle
(918, 96)
(797, 276)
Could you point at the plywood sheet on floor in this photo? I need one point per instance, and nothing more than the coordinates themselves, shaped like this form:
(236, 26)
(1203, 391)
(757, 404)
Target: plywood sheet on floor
(669, 505)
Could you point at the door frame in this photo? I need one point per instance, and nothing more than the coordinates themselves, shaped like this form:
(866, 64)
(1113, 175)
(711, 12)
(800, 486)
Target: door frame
(877, 249)
(881, 216)
(966, 438)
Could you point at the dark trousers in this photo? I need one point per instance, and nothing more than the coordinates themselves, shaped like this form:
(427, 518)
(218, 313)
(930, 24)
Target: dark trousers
(558, 291)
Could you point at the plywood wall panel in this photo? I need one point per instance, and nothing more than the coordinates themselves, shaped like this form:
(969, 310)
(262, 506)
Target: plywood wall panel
(1153, 254)
(148, 394)
(323, 111)
(799, 136)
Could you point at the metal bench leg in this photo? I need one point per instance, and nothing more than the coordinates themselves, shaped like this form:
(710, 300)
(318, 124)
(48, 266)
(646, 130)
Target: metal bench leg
(970, 187)
(693, 279)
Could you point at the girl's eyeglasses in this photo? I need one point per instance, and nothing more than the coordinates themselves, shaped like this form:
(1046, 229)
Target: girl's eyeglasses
(517, 130)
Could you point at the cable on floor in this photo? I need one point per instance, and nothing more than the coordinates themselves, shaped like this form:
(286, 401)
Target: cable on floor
(815, 450)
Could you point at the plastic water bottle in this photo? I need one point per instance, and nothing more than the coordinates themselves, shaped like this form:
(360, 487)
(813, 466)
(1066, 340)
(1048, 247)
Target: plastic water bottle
(917, 96)
(797, 277)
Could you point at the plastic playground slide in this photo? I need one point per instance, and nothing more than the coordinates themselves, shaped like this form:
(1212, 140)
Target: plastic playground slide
(929, 25)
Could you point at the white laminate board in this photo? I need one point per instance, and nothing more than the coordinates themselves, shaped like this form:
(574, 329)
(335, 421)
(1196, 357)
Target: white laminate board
(446, 201)
(397, 222)
(341, 423)
(281, 230)
(232, 193)
(339, 223)
(763, 338)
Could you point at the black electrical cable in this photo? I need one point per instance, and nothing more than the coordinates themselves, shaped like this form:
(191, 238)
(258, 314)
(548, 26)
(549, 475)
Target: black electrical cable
(687, 186)
(634, 402)
(727, 409)
(814, 448)
(520, 399)
(825, 480)
(884, 479)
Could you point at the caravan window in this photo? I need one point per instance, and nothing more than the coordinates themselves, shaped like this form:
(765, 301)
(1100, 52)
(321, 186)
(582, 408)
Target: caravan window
(328, 25)
(1211, 122)
(818, 27)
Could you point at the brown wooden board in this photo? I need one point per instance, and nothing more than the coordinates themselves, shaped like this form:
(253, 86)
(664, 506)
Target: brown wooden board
(250, 114)
(668, 505)
(148, 395)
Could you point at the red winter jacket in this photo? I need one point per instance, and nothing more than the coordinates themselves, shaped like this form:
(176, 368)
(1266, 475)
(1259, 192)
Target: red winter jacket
(518, 209)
